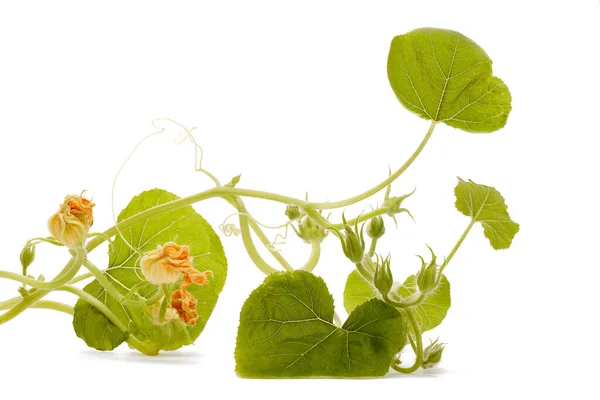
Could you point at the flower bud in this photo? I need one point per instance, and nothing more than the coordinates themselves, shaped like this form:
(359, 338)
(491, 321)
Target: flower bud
(393, 204)
(383, 279)
(166, 263)
(171, 314)
(427, 276)
(293, 212)
(432, 354)
(27, 256)
(185, 304)
(234, 181)
(309, 231)
(376, 228)
(353, 244)
(71, 223)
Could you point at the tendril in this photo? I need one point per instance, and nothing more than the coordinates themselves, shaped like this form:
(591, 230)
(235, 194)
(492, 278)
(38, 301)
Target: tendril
(229, 229)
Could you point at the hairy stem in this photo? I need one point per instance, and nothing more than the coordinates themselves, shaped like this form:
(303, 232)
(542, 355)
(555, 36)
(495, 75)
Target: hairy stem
(382, 185)
(37, 294)
(455, 248)
(54, 305)
(313, 260)
(238, 203)
(101, 278)
(62, 278)
(47, 304)
(222, 191)
(419, 352)
(247, 239)
(406, 305)
(373, 246)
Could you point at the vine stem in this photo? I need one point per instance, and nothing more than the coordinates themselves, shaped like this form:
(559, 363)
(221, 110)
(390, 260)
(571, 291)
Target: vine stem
(64, 276)
(70, 270)
(99, 275)
(456, 247)
(315, 254)
(419, 351)
(245, 224)
(46, 304)
(382, 185)
(223, 191)
(373, 247)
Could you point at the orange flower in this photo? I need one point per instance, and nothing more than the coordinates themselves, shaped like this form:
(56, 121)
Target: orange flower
(71, 223)
(195, 276)
(166, 263)
(185, 304)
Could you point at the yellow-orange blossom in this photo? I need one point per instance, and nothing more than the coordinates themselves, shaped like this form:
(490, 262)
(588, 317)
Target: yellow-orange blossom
(166, 264)
(71, 223)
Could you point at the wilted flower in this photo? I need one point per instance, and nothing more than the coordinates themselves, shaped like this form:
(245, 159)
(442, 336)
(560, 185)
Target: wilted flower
(195, 276)
(166, 263)
(185, 304)
(71, 223)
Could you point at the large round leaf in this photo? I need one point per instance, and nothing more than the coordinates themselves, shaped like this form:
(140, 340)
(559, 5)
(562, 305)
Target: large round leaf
(183, 226)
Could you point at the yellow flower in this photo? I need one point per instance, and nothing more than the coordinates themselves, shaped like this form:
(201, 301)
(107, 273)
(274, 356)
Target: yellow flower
(71, 223)
(170, 315)
(166, 263)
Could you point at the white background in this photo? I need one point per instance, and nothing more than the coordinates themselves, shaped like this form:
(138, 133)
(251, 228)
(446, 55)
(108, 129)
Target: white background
(295, 96)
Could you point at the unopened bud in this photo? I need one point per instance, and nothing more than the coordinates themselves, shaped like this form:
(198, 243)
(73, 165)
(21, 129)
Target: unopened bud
(427, 276)
(293, 212)
(432, 354)
(376, 228)
(309, 231)
(27, 256)
(234, 181)
(393, 205)
(383, 279)
(353, 244)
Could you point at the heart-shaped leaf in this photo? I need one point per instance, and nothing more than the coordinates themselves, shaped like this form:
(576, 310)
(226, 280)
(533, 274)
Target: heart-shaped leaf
(444, 76)
(287, 330)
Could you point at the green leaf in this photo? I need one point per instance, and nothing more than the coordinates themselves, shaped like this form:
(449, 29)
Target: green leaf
(357, 291)
(486, 205)
(444, 76)
(92, 326)
(286, 330)
(432, 311)
(182, 226)
(429, 313)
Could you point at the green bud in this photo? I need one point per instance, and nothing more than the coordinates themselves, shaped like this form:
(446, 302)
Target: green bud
(309, 231)
(427, 276)
(393, 204)
(383, 279)
(234, 181)
(293, 212)
(432, 354)
(353, 244)
(376, 228)
(27, 255)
